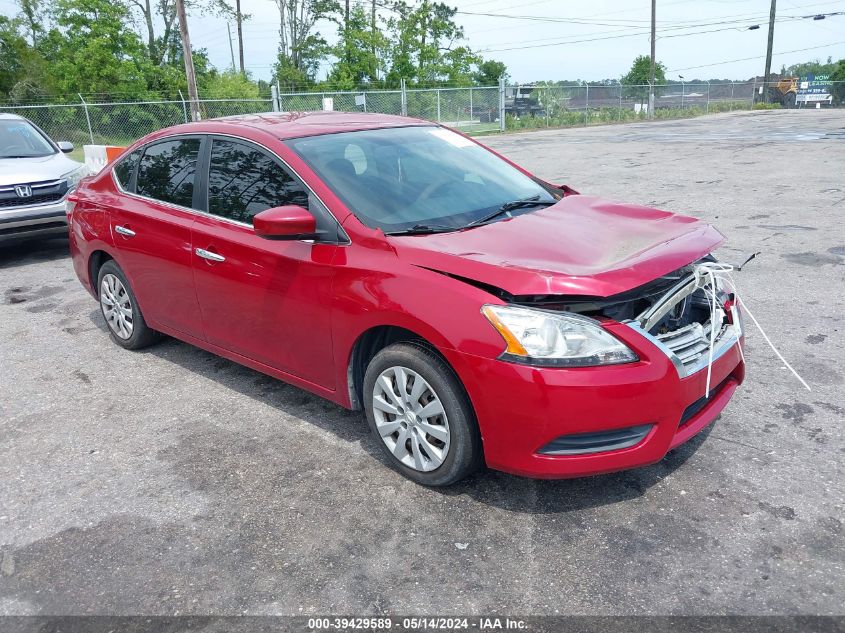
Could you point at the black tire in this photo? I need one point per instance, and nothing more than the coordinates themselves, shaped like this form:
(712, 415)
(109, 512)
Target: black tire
(142, 335)
(789, 100)
(465, 453)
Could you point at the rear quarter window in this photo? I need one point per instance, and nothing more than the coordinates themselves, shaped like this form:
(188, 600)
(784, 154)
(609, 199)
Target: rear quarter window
(125, 169)
(167, 170)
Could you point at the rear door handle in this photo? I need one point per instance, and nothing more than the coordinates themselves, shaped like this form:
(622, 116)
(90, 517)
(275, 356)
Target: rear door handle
(124, 231)
(214, 257)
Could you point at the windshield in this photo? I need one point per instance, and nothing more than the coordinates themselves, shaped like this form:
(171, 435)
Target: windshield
(19, 139)
(398, 179)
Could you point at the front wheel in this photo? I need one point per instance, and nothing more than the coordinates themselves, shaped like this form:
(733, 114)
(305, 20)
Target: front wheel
(420, 415)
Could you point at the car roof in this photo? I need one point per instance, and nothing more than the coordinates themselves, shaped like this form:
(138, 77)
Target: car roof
(10, 116)
(285, 125)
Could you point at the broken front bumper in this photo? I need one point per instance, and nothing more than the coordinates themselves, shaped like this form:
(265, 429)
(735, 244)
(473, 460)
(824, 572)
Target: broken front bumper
(521, 410)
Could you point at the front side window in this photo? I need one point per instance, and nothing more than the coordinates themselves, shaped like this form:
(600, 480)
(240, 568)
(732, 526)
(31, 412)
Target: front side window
(396, 179)
(20, 139)
(243, 181)
(167, 170)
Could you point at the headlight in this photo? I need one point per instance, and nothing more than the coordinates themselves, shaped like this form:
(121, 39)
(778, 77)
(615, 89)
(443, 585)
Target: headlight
(537, 337)
(73, 177)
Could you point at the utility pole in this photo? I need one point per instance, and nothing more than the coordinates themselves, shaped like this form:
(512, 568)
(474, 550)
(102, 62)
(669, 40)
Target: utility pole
(231, 48)
(239, 20)
(653, 61)
(347, 54)
(189, 60)
(772, 11)
(373, 27)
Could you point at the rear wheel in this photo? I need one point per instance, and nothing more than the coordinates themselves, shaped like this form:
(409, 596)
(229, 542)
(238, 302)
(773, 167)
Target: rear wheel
(420, 415)
(120, 309)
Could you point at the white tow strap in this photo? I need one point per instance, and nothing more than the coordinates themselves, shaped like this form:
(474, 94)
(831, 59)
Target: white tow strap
(707, 274)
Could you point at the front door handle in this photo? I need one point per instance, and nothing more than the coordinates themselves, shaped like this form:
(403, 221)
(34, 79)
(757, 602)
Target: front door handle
(214, 257)
(124, 231)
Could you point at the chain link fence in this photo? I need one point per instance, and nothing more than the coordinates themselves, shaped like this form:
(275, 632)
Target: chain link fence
(567, 106)
(472, 109)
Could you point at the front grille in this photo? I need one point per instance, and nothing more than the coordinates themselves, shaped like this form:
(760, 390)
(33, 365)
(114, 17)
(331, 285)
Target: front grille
(43, 192)
(690, 343)
(680, 323)
(6, 203)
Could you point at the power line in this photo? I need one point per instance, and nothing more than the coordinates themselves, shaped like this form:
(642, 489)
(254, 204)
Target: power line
(746, 59)
(633, 33)
(749, 16)
(268, 31)
(634, 23)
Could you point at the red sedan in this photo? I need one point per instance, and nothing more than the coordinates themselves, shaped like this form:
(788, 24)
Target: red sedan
(476, 313)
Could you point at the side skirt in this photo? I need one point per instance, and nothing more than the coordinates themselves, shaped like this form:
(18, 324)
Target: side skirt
(323, 392)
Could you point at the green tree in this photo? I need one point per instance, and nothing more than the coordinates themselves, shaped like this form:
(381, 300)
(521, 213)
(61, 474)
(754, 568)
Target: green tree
(809, 68)
(96, 51)
(154, 13)
(838, 87)
(637, 80)
(289, 76)
(422, 45)
(359, 50)
(226, 10)
(489, 71)
(159, 26)
(34, 16)
(301, 47)
(13, 49)
(227, 85)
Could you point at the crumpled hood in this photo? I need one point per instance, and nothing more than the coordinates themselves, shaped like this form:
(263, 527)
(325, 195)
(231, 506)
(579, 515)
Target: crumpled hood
(582, 245)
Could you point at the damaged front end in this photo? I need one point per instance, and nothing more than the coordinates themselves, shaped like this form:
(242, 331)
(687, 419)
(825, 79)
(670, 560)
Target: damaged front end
(684, 313)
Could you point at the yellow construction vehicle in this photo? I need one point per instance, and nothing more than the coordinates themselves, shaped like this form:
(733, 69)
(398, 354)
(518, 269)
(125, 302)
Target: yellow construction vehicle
(785, 92)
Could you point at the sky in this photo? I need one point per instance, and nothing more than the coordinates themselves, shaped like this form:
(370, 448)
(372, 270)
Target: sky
(569, 39)
(695, 37)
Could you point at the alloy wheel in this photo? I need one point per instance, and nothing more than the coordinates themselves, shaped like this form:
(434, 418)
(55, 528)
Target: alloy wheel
(116, 306)
(410, 419)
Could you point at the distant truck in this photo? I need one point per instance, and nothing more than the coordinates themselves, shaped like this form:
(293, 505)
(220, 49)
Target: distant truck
(784, 92)
(519, 102)
(795, 92)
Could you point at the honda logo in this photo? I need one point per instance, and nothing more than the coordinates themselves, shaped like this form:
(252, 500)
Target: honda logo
(23, 191)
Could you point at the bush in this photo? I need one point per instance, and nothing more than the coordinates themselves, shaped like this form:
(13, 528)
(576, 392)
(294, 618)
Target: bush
(561, 118)
(728, 106)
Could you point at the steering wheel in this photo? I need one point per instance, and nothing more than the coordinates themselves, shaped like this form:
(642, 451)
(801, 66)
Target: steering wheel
(426, 193)
(11, 149)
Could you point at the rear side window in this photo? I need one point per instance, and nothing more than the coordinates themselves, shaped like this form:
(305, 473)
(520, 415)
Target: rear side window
(167, 170)
(125, 168)
(243, 181)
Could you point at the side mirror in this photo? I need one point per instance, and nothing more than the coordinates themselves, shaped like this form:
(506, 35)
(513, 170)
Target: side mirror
(566, 189)
(290, 222)
(65, 147)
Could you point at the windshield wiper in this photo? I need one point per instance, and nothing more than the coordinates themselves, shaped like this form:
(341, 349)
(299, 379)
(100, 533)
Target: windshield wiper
(531, 201)
(424, 229)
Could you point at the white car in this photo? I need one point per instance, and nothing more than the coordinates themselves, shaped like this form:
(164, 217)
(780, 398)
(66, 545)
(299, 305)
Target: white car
(35, 179)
